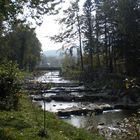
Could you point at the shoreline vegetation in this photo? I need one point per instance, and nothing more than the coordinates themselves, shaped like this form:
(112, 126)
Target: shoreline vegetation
(28, 122)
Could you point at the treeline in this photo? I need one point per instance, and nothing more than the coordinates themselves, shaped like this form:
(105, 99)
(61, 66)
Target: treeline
(21, 46)
(18, 41)
(108, 32)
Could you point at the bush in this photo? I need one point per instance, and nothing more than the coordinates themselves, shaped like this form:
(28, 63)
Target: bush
(10, 85)
(73, 74)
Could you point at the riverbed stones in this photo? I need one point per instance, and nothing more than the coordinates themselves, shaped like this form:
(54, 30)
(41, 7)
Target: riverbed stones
(84, 109)
(127, 106)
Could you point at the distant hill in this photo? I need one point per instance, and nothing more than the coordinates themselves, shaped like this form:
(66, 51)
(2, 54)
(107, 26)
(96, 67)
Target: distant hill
(52, 53)
(52, 58)
(57, 53)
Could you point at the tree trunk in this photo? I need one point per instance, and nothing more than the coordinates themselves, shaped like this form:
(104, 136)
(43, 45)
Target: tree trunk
(97, 46)
(90, 39)
(80, 42)
(106, 47)
(110, 56)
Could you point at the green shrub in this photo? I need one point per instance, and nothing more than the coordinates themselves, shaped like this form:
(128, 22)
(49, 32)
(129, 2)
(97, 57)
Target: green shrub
(73, 74)
(10, 85)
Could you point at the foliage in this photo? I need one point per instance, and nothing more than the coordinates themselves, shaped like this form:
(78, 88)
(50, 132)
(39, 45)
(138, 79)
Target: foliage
(17, 22)
(119, 28)
(110, 34)
(70, 67)
(71, 30)
(15, 12)
(10, 83)
(69, 21)
(22, 46)
(26, 124)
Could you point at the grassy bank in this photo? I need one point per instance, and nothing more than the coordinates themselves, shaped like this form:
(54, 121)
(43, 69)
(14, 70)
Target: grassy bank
(26, 123)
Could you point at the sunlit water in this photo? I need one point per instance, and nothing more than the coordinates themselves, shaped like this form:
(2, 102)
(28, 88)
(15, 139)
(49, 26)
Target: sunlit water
(107, 118)
(51, 77)
(54, 106)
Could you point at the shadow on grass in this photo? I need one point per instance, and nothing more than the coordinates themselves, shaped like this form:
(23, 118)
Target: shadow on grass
(4, 137)
(16, 123)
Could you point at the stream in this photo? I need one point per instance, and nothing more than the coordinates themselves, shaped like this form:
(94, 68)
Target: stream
(108, 118)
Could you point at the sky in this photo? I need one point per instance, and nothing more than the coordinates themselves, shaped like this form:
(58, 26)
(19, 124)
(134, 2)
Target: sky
(49, 27)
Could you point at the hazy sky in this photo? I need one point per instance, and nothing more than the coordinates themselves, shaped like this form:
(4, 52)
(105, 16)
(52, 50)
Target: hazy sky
(49, 27)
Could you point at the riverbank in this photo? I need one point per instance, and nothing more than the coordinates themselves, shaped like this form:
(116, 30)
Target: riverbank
(82, 105)
(27, 123)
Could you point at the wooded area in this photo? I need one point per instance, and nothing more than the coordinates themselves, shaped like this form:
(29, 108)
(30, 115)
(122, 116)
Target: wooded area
(108, 33)
(17, 31)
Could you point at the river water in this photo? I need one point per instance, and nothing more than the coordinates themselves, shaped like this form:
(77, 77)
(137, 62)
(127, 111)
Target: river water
(107, 118)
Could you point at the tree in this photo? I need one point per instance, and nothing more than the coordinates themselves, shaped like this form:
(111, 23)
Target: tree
(23, 47)
(71, 23)
(105, 17)
(16, 13)
(129, 27)
(10, 84)
(88, 10)
(13, 12)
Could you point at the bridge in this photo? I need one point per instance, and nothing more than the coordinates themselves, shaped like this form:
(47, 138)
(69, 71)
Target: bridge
(48, 68)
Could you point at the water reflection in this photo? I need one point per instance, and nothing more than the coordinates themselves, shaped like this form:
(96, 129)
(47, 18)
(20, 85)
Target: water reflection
(77, 121)
(54, 106)
(51, 77)
(108, 119)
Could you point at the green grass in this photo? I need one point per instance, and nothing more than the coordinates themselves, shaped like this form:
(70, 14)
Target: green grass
(26, 124)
